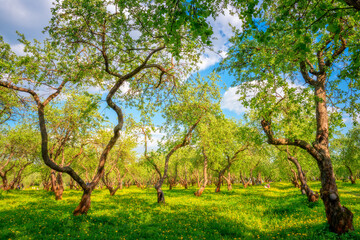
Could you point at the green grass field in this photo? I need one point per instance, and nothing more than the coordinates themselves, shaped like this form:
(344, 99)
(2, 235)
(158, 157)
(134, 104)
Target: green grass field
(253, 213)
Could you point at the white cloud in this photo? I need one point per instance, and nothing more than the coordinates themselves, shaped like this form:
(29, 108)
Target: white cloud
(111, 8)
(208, 60)
(223, 31)
(230, 101)
(18, 49)
(26, 13)
(222, 28)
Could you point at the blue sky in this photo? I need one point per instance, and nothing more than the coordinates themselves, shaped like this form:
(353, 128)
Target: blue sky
(29, 17)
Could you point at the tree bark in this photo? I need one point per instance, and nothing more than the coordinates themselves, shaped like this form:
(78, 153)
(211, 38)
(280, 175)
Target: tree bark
(219, 181)
(339, 217)
(311, 195)
(352, 178)
(84, 204)
(17, 178)
(295, 179)
(228, 181)
(202, 188)
(245, 184)
(57, 185)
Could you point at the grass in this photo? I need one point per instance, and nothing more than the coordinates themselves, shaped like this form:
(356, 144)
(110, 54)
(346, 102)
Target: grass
(280, 212)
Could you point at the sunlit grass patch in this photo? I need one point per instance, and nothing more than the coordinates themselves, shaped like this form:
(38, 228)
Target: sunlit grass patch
(280, 212)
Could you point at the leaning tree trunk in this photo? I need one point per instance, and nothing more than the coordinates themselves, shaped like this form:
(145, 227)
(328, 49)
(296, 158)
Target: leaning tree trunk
(113, 190)
(202, 188)
(352, 179)
(305, 189)
(17, 178)
(339, 217)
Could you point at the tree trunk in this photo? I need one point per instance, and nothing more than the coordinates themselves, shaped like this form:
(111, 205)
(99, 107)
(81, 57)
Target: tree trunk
(245, 184)
(57, 185)
(84, 204)
(228, 181)
(71, 184)
(202, 188)
(218, 184)
(185, 142)
(185, 179)
(295, 179)
(113, 190)
(305, 189)
(352, 179)
(159, 192)
(252, 177)
(339, 217)
(5, 182)
(17, 177)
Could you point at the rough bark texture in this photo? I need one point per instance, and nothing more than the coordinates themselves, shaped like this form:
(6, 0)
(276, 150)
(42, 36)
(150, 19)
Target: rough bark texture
(84, 204)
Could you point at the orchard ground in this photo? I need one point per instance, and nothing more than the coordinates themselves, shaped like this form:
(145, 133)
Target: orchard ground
(280, 212)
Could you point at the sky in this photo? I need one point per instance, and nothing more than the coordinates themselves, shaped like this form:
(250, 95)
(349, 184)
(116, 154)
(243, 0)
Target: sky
(29, 17)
